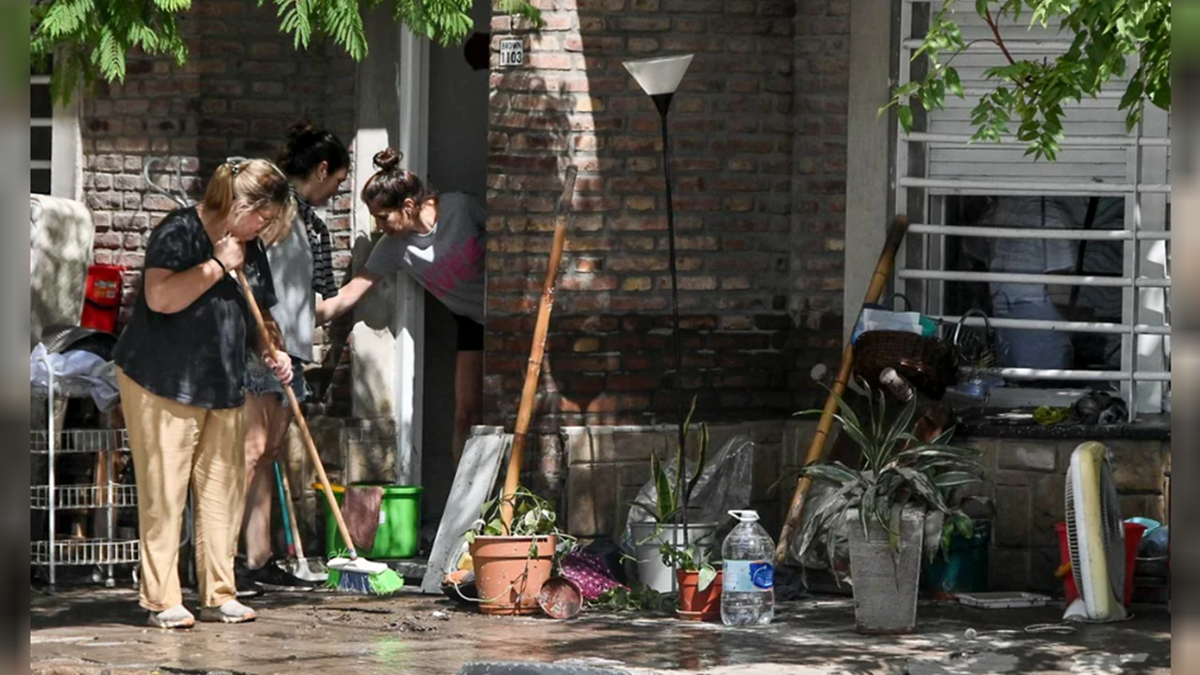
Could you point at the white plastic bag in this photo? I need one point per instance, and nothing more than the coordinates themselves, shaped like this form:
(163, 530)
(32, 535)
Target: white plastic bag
(724, 486)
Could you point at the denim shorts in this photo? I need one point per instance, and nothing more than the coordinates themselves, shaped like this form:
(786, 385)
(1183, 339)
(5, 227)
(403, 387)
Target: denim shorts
(259, 379)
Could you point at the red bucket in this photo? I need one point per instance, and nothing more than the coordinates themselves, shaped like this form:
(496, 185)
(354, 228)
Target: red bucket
(102, 298)
(1133, 539)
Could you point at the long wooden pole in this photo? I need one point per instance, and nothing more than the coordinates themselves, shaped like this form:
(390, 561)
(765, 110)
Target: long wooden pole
(536, 352)
(298, 414)
(816, 450)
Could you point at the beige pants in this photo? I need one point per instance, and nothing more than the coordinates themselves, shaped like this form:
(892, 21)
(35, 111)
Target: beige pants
(175, 444)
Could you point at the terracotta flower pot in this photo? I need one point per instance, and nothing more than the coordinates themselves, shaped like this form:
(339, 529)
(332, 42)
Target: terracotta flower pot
(697, 605)
(508, 575)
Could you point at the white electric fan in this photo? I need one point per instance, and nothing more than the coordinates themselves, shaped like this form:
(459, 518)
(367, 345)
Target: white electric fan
(1096, 537)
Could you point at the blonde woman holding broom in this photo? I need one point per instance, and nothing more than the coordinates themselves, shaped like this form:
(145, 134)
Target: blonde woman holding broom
(440, 241)
(181, 364)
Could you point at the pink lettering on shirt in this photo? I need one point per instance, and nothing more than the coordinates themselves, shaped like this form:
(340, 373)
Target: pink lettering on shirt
(461, 264)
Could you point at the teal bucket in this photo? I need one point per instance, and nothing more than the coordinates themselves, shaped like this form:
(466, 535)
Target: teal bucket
(964, 567)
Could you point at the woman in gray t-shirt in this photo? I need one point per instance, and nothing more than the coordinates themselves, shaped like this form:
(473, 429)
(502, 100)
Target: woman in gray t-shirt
(316, 163)
(440, 241)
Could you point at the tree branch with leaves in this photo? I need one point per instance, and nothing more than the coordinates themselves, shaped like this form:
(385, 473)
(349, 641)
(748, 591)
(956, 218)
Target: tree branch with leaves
(1107, 39)
(90, 38)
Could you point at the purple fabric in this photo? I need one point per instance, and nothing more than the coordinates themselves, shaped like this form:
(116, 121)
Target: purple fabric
(590, 573)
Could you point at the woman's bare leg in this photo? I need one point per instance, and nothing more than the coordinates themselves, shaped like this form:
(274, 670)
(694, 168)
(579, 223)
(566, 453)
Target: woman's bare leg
(266, 427)
(468, 398)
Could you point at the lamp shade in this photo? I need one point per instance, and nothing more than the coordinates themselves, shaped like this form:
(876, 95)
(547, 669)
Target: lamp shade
(660, 75)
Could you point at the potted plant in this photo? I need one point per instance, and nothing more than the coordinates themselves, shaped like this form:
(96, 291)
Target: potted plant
(512, 563)
(699, 580)
(668, 525)
(884, 504)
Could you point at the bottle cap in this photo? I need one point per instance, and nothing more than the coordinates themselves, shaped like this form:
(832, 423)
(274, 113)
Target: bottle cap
(745, 516)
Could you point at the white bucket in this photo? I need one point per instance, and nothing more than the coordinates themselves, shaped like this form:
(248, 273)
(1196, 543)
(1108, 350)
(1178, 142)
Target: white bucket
(651, 570)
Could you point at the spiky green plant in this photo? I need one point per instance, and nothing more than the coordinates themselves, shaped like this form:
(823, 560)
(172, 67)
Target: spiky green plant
(671, 501)
(896, 469)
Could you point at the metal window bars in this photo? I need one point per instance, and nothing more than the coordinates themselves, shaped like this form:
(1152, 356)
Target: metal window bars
(1145, 186)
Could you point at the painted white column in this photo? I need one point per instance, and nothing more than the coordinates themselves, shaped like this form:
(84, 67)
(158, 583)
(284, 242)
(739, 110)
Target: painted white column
(409, 326)
(868, 189)
(386, 337)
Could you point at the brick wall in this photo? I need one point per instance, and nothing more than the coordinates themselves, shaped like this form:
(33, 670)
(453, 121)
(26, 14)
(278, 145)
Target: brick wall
(759, 227)
(244, 84)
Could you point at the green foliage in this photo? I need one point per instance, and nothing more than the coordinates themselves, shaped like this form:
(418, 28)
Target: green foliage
(1105, 36)
(93, 37)
(690, 557)
(897, 469)
(532, 517)
(670, 501)
(639, 598)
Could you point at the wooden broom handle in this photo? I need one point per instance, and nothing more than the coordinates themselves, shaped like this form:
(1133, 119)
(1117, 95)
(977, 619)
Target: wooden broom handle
(536, 352)
(816, 450)
(298, 414)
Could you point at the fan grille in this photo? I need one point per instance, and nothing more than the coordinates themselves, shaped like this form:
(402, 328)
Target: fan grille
(1114, 531)
(1073, 536)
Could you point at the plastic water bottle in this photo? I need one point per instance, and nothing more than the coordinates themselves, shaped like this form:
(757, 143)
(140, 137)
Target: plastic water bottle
(748, 586)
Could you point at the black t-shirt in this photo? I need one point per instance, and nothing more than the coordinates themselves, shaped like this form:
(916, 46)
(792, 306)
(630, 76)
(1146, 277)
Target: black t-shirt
(196, 356)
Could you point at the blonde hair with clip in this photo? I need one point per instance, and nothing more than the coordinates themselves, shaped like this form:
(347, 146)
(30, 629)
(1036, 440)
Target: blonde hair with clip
(257, 183)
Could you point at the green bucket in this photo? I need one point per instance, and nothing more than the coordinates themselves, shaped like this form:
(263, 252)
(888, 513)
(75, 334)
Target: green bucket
(399, 533)
(963, 568)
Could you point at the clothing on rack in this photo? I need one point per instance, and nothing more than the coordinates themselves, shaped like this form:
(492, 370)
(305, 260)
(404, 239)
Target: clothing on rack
(76, 373)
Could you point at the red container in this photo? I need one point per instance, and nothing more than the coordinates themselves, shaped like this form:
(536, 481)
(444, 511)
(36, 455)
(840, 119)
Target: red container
(102, 298)
(1133, 539)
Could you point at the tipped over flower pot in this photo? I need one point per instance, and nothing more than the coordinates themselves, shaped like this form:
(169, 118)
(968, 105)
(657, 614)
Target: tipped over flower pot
(510, 572)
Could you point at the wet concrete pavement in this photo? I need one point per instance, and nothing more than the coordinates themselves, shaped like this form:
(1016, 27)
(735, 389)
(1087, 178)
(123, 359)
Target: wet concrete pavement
(95, 631)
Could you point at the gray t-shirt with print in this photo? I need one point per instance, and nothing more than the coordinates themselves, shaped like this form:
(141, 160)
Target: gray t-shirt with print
(448, 261)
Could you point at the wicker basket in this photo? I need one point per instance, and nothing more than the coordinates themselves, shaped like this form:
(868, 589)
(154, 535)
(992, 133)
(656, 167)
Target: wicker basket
(927, 363)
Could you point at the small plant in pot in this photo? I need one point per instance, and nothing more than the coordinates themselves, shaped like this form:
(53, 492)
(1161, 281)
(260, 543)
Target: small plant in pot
(884, 505)
(699, 580)
(669, 525)
(513, 562)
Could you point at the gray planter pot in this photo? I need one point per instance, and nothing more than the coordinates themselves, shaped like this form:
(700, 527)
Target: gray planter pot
(885, 578)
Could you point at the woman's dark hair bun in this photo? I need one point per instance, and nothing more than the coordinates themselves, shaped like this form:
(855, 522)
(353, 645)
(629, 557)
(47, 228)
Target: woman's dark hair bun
(299, 131)
(388, 159)
(308, 146)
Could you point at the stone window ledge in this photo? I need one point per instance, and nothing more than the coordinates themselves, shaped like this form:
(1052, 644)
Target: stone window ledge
(1149, 428)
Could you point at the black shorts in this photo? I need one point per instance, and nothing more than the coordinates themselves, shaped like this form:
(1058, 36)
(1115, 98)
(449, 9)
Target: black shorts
(470, 334)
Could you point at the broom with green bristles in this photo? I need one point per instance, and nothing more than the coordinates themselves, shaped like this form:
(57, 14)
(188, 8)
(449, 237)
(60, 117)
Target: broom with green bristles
(349, 572)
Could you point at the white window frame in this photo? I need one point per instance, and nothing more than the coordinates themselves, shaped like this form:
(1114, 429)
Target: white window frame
(1145, 335)
(65, 163)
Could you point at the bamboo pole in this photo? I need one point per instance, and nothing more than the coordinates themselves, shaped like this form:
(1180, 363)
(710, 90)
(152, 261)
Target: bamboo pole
(816, 450)
(538, 350)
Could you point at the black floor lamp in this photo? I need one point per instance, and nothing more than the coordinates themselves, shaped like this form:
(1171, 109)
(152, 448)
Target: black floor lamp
(660, 78)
